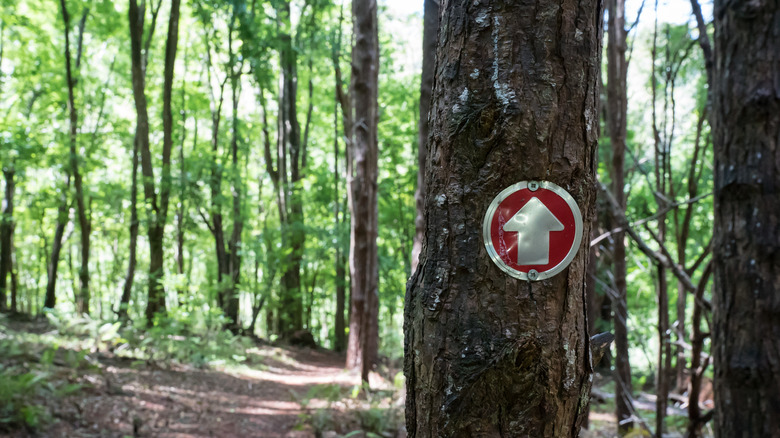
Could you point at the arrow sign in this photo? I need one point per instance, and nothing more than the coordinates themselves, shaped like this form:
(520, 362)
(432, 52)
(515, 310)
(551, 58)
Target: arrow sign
(533, 224)
(532, 230)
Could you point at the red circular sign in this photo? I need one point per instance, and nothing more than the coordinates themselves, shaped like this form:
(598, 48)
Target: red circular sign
(532, 230)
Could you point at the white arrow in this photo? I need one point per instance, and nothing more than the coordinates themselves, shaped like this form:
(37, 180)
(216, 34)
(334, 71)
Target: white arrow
(533, 224)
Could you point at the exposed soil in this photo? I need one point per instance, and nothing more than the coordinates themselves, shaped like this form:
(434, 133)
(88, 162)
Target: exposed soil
(123, 397)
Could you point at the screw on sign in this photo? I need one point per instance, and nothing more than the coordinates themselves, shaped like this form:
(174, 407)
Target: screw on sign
(532, 230)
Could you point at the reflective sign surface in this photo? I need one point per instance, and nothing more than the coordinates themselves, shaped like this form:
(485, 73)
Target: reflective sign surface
(532, 230)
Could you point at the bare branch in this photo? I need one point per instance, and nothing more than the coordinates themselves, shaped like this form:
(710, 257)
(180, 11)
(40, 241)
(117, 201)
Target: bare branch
(655, 216)
(661, 258)
(704, 39)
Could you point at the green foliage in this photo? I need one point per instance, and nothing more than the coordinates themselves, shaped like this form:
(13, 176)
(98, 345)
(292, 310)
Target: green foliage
(15, 408)
(25, 382)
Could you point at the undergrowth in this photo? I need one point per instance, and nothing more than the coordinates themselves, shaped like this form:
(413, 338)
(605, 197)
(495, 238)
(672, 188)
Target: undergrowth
(43, 360)
(374, 413)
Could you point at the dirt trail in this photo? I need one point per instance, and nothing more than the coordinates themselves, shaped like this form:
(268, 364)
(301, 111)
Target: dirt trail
(245, 402)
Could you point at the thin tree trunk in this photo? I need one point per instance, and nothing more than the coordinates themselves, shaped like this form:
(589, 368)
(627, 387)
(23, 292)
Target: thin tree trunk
(617, 69)
(234, 246)
(339, 326)
(290, 205)
(157, 206)
(430, 32)
(182, 207)
(746, 292)
(85, 224)
(6, 234)
(664, 349)
(124, 302)
(345, 102)
(695, 419)
(363, 257)
(15, 280)
(56, 246)
(516, 98)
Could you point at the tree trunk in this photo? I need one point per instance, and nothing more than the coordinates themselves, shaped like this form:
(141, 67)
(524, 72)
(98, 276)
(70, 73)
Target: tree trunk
(344, 101)
(15, 280)
(339, 323)
(6, 234)
(695, 419)
(234, 245)
(746, 293)
(82, 301)
(430, 32)
(617, 69)
(288, 192)
(363, 255)
(182, 207)
(56, 247)
(664, 349)
(515, 98)
(157, 206)
(124, 302)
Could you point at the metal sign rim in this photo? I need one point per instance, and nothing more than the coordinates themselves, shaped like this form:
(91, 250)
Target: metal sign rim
(488, 241)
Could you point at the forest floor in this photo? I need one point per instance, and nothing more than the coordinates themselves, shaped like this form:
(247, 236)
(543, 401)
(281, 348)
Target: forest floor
(65, 389)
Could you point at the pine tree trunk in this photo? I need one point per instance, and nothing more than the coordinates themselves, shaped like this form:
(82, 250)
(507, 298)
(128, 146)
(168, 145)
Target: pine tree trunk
(515, 98)
(746, 293)
(363, 255)
(430, 32)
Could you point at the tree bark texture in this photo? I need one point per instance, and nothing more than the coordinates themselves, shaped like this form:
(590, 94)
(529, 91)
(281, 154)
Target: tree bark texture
(363, 255)
(430, 33)
(746, 269)
(515, 98)
(617, 110)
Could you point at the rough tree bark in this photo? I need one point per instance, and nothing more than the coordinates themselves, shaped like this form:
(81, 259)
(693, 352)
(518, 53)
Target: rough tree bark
(746, 258)
(515, 98)
(363, 255)
(617, 110)
(430, 32)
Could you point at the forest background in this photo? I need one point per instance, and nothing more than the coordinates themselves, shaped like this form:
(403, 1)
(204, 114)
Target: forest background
(228, 161)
